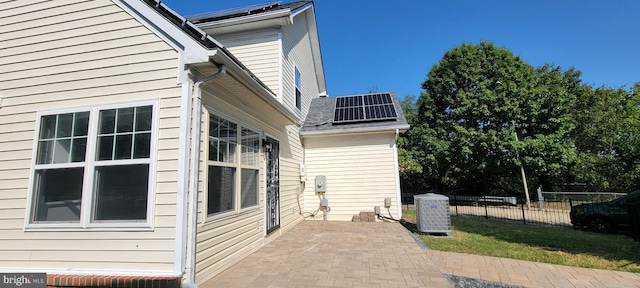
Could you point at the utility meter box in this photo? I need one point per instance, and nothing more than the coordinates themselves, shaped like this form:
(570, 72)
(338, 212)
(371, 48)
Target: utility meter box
(387, 202)
(321, 184)
(303, 173)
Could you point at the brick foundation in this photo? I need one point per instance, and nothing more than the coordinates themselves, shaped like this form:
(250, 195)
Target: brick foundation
(63, 280)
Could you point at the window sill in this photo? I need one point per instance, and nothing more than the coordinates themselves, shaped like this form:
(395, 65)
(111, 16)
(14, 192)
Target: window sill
(67, 228)
(212, 219)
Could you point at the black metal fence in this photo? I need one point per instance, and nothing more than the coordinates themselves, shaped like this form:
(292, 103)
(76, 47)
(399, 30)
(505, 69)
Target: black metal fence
(545, 208)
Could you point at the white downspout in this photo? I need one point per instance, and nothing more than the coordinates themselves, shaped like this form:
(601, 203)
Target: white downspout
(194, 171)
(397, 171)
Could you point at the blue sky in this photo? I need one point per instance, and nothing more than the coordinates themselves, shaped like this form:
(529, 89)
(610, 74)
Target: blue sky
(392, 45)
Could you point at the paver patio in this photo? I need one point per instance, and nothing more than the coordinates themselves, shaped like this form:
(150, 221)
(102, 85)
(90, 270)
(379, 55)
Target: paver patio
(336, 254)
(349, 254)
(529, 274)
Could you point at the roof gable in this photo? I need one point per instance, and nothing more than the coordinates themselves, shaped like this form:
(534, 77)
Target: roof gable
(197, 48)
(266, 16)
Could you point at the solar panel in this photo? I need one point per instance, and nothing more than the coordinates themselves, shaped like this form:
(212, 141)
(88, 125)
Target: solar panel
(364, 108)
(232, 11)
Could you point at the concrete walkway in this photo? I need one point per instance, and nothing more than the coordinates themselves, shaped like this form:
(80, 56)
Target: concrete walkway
(348, 254)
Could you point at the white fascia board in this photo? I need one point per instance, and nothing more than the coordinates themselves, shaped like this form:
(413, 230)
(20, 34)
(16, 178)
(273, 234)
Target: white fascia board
(221, 58)
(246, 19)
(191, 50)
(353, 131)
(299, 10)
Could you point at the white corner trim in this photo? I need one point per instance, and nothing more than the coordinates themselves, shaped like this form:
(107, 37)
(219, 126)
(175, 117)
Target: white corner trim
(194, 172)
(183, 174)
(397, 174)
(280, 65)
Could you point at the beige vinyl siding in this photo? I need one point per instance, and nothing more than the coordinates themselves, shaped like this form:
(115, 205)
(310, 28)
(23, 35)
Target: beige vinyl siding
(297, 53)
(360, 173)
(258, 51)
(66, 54)
(290, 160)
(223, 240)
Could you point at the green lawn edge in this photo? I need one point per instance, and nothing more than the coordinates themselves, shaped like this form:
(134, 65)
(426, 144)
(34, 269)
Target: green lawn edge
(553, 245)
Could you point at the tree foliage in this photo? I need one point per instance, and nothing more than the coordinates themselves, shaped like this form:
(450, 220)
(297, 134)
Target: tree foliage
(607, 136)
(484, 112)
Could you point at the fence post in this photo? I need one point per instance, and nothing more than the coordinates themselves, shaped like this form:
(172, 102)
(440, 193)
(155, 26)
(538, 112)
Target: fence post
(524, 219)
(486, 211)
(456, 199)
(540, 199)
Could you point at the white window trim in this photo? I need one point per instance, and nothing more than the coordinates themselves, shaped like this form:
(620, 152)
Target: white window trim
(88, 194)
(295, 88)
(237, 210)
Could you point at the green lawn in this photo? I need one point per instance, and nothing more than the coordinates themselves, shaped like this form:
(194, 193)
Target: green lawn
(563, 246)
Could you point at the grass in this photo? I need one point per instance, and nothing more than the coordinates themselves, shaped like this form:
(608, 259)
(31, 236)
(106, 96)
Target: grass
(554, 245)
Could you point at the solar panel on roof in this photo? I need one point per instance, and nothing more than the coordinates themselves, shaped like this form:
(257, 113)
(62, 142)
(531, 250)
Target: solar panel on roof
(364, 108)
(232, 11)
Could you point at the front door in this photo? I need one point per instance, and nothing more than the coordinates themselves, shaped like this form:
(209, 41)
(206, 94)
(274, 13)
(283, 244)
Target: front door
(272, 155)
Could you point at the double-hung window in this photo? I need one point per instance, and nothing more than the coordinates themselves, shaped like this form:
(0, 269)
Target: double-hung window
(233, 171)
(93, 167)
(298, 83)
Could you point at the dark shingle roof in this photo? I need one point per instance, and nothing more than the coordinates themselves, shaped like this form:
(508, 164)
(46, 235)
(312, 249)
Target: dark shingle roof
(186, 26)
(320, 119)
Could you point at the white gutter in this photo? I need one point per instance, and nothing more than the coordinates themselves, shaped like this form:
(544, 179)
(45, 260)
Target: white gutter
(299, 10)
(245, 19)
(378, 129)
(193, 176)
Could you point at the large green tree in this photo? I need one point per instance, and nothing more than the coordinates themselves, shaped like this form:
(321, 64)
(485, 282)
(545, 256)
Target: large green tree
(607, 137)
(475, 101)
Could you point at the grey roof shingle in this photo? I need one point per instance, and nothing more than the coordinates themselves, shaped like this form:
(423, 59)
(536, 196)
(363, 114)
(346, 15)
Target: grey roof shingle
(320, 119)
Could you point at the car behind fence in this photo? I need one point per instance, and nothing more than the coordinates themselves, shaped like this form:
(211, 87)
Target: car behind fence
(546, 208)
(634, 212)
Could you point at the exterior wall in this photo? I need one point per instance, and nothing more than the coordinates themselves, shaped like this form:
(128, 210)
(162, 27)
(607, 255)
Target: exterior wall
(65, 54)
(360, 173)
(223, 241)
(297, 53)
(258, 51)
(226, 239)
